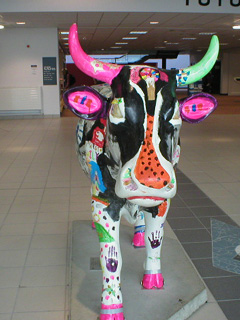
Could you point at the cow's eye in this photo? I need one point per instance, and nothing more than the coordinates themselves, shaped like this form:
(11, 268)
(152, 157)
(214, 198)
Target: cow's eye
(117, 111)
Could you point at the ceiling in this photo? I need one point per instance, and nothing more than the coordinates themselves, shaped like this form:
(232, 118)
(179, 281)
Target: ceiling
(100, 31)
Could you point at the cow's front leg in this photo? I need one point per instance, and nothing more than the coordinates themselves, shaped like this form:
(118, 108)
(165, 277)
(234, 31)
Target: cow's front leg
(153, 240)
(111, 262)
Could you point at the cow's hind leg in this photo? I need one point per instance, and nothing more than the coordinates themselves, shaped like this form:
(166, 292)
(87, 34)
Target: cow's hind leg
(153, 240)
(111, 262)
(139, 231)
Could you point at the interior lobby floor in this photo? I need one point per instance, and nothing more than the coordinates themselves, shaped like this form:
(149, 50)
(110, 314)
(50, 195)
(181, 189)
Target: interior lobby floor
(43, 189)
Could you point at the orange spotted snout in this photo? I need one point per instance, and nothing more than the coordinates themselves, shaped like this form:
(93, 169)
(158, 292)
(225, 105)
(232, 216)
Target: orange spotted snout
(148, 170)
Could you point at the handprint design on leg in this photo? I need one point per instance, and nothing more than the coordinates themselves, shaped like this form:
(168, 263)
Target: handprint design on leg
(156, 240)
(111, 261)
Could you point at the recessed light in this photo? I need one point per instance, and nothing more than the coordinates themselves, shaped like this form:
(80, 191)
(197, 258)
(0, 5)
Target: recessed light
(206, 33)
(160, 47)
(236, 27)
(189, 38)
(121, 42)
(115, 47)
(64, 32)
(129, 38)
(64, 38)
(21, 22)
(154, 22)
(138, 32)
(172, 43)
(1, 26)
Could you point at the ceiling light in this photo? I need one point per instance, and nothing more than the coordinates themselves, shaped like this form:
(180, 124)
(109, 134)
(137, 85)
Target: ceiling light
(236, 27)
(1, 26)
(206, 33)
(154, 22)
(129, 38)
(115, 47)
(189, 38)
(160, 47)
(64, 38)
(21, 22)
(64, 32)
(121, 42)
(138, 32)
(172, 43)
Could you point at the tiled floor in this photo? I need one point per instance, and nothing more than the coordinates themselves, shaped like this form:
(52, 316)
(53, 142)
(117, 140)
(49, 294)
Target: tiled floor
(42, 189)
(191, 222)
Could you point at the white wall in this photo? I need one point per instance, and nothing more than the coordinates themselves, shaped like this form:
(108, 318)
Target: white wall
(16, 60)
(212, 6)
(230, 69)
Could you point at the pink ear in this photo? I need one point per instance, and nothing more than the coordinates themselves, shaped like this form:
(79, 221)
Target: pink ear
(85, 102)
(198, 107)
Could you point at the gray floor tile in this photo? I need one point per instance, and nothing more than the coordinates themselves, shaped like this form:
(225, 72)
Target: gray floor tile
(177, 202)
(204, 202)
(187, 187)
(198, 250)
(208, 212)
(191, 194)
(225, 288)
(207, 221)
(181, 178)
(225, 238)
(198, 235)
(176, 212)
(206, 269)
(231, 309)
(185, 223)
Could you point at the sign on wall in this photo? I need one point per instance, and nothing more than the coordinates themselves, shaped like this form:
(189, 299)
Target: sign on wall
(216, 3)
(49, 71)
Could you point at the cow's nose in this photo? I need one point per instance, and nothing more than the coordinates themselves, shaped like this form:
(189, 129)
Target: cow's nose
(148, 170)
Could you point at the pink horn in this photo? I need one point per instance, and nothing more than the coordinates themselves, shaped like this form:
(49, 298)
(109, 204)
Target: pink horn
(96, 69)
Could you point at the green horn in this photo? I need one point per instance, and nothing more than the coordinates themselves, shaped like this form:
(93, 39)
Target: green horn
(199, 70)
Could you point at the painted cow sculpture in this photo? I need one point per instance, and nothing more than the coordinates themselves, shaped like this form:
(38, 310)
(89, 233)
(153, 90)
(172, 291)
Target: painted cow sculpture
(128, 143)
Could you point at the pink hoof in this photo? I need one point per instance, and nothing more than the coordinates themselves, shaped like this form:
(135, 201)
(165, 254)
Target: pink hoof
(112, 312)
(93, 225)
(153, 281)
(138, 240)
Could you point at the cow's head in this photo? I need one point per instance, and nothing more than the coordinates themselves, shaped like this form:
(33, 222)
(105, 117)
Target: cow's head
(144, 119)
